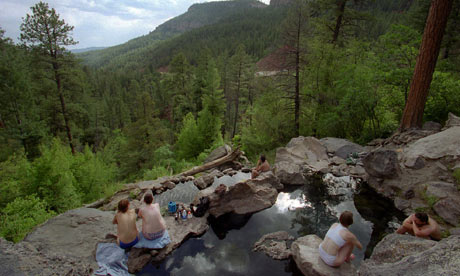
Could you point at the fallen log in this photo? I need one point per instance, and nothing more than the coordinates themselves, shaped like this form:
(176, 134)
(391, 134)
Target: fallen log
(227, 158)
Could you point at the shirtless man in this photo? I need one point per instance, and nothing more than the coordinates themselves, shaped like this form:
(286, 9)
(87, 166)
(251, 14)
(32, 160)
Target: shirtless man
(422, 226)
(339, 242)
(126, 225)
(153, 224)
(262, 166)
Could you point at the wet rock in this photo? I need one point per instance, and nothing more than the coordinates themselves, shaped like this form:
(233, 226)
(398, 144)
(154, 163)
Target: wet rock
(218, 153)
(274, 245)
(407, 255)
(306, 255)
(433, 126)
(181, 230)
(452, 121)
(344, 185)
(138, 258)
(381, 163)
(449, 210)
(245, 197)
(246, 170)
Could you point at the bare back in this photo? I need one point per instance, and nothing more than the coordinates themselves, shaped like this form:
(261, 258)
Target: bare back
(329, 245)
(126, 225)
(264, 167)
(152, 221)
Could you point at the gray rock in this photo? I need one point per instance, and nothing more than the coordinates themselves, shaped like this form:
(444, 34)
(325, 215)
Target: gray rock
(436, 146)
(169, 185)
(246, 197)
(333, 145)
(246, 170)
(381, 163)
(455, 231)
(347, 150)
(449, 210)
(74, 233)
(190, 178)
(175, 180)
(137, 259)
(415, 163)
(452, 120)
(290, 174)
(338, 160)
(218, 153)
(433, 126)
(441, 189)
(206, 180)
(306, 256)
(408, 255)
(401, 204)
(274, 245)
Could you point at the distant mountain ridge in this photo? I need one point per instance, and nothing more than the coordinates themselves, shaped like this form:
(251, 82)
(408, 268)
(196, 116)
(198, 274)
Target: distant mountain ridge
(84, 50)
(198, 15)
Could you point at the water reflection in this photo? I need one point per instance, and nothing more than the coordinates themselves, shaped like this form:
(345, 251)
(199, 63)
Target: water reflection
(226, 248)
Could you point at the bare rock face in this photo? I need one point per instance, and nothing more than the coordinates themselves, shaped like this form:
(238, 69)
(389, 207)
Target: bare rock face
(245, 197)
(340, 147)
(206, 180)
(449, 209)
(407, 255)
(301, 156)
(274, 245)
(74, 233)
(306, 256)
(432, 126)
(381, 163)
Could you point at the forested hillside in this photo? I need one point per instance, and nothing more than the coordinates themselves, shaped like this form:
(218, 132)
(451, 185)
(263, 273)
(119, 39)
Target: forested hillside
(72, 128)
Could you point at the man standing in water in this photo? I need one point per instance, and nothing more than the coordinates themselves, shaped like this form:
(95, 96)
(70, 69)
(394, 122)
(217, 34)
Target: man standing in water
(339, 242)
(262, 166)
(422, 226)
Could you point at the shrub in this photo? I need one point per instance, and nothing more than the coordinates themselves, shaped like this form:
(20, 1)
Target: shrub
(21, 215)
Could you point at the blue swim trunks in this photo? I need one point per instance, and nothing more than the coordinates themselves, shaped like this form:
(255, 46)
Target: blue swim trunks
(128, 245)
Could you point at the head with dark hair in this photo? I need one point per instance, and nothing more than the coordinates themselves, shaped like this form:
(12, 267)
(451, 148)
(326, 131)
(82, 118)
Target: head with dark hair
(148, 198)
(346, 218)
(123, 205)
(422, 217)
(262, 158)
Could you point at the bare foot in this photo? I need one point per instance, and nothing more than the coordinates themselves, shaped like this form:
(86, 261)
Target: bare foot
(350, 258)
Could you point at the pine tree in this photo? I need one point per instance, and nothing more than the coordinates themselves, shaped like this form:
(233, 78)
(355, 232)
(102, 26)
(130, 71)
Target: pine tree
(44, 32)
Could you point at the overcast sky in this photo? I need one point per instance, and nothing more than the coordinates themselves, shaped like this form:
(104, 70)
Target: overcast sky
(99, 23)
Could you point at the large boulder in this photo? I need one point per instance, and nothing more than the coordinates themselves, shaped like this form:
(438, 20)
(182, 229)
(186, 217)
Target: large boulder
(74, 233)
(407, 255)
(304, 154)
(244, 197)
(306, 256)
(381, 163)
(436, 146)
(340, 147)
(448, 209)
(206, 180)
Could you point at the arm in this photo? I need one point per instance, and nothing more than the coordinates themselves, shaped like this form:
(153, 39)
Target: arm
(425, 232)
(350, 237)
(114, 221)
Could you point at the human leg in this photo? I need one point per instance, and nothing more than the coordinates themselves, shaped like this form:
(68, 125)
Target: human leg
(254, 174)
(344, 254)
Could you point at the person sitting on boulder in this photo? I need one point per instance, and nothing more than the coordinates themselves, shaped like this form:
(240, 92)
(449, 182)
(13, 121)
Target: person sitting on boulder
(262, 166)
(125, 218)
(422, 226)
(339, 242)
(153, 224)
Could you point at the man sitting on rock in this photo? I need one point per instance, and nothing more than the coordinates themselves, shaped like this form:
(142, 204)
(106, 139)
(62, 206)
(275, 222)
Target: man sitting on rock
(262, 166)
(422, 226)
(125, 218)
(339, 242)
(153, 224)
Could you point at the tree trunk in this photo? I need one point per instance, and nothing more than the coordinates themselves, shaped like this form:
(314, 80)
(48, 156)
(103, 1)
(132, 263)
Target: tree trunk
(237, 100)
(426, 63)
(338, 22)
(297, 81)
(63, 106)
(227, 158)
